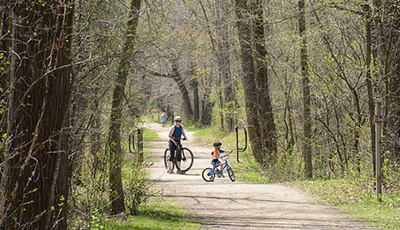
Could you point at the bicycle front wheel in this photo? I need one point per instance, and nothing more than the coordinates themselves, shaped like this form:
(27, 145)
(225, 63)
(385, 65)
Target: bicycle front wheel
(231, 174)
(187, 160)
(167, 155)
(208, 174)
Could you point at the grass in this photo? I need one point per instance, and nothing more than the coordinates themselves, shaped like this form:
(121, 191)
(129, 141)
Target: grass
(158, 214)
(355, 195)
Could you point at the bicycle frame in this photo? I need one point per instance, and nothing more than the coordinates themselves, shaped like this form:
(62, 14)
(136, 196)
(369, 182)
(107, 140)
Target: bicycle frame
(216, 166)
(182, 153)
(186, 162)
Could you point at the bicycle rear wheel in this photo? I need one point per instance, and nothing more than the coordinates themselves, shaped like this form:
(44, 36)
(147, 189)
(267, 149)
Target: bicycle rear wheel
(187, 160)
(167, 155)
(208, 174)
(231, 174)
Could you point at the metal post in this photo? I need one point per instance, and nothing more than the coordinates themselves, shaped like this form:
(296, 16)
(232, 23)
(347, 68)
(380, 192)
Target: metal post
(378, 129)
(237, 140)
(237, 144)
(140, 144)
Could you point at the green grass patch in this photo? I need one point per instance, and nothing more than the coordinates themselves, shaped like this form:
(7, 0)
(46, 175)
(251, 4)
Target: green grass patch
(158, 214)
(357, 198)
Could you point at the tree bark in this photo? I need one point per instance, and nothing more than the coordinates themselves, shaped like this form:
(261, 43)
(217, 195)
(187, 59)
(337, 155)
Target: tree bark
(115, 151)
(266, 115)
(393, 83)
(182, 88)
(5, 44)
(368, 78)
(306, 92)
(244, 34)
(196, 104)
(34, 183)
(224, 66)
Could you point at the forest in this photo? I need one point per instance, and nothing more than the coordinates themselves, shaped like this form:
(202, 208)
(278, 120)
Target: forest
(305, 77)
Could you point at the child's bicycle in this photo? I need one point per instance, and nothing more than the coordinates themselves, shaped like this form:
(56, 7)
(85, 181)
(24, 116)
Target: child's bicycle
(210, 173)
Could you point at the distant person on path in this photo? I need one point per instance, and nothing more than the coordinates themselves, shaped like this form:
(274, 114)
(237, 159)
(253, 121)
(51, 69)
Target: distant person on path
(163, 119)
(174, 136)
(216, 154)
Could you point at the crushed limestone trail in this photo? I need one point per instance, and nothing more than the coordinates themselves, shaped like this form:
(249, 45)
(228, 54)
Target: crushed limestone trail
(236, 205)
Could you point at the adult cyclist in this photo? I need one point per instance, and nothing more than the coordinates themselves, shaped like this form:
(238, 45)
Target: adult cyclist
(174, 136)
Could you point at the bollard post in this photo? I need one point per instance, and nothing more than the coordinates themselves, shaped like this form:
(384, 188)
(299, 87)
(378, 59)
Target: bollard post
(378, 130)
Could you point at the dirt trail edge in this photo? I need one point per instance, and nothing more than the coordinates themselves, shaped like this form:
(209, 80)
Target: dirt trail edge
(236, 205)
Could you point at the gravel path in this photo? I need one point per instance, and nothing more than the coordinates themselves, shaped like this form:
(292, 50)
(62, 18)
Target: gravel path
(236, 205)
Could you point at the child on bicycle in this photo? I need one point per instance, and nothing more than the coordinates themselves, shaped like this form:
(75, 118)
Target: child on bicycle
(216, 155)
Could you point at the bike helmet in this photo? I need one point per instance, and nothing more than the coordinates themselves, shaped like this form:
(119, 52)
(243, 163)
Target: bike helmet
(178, 118)
(217, 143)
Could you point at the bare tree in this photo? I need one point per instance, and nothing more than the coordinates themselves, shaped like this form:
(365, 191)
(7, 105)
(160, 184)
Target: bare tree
(306, 92)
(114, 142)
(258, 105)
(34, 183)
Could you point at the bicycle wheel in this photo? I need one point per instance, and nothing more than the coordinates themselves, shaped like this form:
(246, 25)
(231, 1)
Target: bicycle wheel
(208, 174)
(231, 174)
(167, 155)
(187, 160)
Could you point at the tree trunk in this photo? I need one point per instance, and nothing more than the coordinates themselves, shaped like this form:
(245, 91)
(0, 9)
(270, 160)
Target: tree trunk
(95, 137)
(306, 92)
(182, 88)
(116, 155)
(250, 94)
(194, 85)
(207, 106)
(371, 107)
(5, 44)
(392, 141)
(34, 183)
(224, 67)
(196, 105)
(266, 115)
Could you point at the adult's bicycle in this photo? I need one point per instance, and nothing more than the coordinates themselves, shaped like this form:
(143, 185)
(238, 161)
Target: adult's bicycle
(209, 174)
(186, 159)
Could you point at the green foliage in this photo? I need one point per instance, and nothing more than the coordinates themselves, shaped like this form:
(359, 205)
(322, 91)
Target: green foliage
(136, 187)
(390, 174)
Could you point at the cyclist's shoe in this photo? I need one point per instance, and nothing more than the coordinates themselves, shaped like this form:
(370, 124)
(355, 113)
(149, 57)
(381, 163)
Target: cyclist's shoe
(221, 174)
(181, 172)
(170, 171)
(218, 173)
